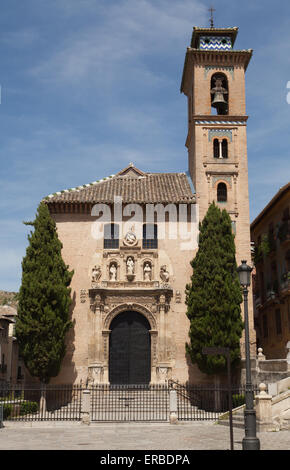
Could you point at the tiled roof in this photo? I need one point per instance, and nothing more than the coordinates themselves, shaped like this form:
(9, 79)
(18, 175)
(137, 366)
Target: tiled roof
(6, 312)
(132, 185)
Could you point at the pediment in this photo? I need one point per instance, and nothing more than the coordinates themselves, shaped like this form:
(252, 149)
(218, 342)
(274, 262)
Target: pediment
(131, 172)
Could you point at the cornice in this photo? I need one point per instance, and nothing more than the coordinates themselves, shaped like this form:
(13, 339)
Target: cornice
(218, 58)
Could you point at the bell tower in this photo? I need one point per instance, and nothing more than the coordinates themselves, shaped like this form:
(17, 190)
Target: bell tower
(214, 82)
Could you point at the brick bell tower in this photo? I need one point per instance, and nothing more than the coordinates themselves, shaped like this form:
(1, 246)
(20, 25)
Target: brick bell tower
(214, 82)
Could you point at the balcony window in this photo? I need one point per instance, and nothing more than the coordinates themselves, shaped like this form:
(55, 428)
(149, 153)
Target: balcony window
(111, 236)
(150, 236)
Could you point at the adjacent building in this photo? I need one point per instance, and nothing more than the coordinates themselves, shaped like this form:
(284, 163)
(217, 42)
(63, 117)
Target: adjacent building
(270, 233)
(11, 367)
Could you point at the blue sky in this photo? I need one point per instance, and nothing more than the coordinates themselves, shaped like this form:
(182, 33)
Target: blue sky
(88, 86)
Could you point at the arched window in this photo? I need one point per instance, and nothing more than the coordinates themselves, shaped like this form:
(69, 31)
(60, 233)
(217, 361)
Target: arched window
(111, 236)
(216, 148)
(222, 192)
(224, 148)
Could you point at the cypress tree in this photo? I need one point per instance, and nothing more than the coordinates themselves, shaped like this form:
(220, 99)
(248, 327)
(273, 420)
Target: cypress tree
(44, 300)
(213, 296)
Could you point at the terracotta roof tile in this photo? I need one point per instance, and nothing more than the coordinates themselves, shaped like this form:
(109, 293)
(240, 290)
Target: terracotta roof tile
(148, 188)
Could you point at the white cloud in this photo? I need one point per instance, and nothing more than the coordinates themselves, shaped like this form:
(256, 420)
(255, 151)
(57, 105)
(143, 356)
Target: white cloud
(124, 33)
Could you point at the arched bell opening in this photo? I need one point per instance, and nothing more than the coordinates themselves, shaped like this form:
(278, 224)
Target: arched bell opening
(219, 92)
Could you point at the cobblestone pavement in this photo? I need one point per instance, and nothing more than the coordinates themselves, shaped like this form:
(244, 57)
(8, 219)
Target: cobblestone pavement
(130, 436)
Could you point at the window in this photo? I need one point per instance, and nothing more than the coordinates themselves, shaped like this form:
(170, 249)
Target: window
(216, 152)
(111, 236)
(19, 373)
(150, 239)
(222, 192)
(224, 148)
(278, 322)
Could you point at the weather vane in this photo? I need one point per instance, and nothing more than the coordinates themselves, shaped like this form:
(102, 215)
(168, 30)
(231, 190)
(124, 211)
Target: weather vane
(211, 10)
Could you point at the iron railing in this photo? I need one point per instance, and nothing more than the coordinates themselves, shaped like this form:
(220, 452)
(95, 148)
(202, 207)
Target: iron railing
(206, 402)
(116, 403)
(129, 403)
(38, 403)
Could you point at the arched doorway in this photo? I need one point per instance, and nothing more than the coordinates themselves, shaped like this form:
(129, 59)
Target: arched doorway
(130, 349)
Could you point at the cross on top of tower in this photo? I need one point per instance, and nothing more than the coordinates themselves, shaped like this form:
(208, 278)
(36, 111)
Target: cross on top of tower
(211, 10)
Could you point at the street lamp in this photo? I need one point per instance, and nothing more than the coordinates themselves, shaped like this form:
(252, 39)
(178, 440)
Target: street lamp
(250, 441)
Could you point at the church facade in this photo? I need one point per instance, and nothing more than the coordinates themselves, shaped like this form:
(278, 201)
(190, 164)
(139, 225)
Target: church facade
(130, 237)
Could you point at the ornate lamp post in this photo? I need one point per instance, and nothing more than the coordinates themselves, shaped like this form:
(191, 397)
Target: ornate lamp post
(250, 441)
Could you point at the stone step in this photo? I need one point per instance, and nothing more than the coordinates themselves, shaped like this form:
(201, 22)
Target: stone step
(238, 418)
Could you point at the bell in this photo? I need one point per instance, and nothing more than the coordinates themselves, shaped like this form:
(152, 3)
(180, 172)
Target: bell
(218, 100)
(218, 93)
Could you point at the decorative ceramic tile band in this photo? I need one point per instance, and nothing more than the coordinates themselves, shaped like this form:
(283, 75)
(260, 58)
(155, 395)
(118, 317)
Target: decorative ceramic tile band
(219, 133)
(232, 123)
(228, 179)
(226, 68)
(215, 43)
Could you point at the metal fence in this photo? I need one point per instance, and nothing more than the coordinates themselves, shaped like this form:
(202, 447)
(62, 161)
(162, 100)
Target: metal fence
(116, 403)
(37, 403)
(206, 402)
(129, 403)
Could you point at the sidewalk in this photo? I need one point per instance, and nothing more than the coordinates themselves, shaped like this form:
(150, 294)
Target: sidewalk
(130, 436)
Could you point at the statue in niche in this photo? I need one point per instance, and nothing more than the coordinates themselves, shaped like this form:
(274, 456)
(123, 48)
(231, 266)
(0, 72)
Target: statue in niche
(96, 274)
(164, 274)
(130, 265)
(113, 272)
(147, 272)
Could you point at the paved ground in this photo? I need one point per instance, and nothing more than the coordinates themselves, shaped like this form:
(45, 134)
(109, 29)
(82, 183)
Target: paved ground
(131, 436)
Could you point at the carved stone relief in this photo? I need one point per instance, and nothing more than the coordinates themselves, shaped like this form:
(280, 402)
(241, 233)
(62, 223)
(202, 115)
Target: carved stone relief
(147, 271)
(95, 374)
(96, 275)
(83, 295)
(178, 297)
(164, 274)
(113, 271)
(130, 238)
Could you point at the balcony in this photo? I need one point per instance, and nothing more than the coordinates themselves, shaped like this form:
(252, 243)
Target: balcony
(258, 300)
(284, 233)
(272, 293)
(258, 256)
